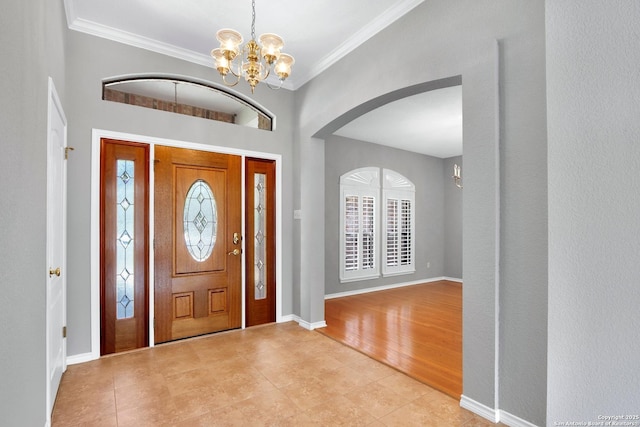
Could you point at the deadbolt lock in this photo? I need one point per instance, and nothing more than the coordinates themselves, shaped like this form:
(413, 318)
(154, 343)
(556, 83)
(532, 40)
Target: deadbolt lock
(236, 238)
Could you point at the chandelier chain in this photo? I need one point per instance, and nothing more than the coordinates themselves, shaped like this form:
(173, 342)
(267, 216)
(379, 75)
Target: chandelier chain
(253, 19)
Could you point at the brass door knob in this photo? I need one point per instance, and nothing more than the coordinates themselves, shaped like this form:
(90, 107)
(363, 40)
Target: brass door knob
(55, 272)
(234, 252)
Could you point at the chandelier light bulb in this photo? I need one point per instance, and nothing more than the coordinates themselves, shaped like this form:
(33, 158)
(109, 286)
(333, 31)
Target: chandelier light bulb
(230, 41)
(283, 66)
(222, 63)
(270, 45)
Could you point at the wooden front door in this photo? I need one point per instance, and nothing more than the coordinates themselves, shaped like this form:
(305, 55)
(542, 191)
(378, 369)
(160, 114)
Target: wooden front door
(124, 237)
(261, 242)
(198, 245)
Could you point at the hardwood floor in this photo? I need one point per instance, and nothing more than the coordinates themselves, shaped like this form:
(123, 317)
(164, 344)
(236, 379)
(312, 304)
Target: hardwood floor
(415, 329)
(272, 375)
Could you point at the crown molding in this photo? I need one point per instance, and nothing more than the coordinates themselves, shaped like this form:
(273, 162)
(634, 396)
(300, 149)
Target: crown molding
(365, 33)
(135, 40)
(381, 22)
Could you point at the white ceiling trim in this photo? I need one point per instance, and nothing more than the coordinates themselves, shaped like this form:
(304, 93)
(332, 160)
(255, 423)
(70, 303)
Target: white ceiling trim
(120, 36)
(135, 40)
(93, 28)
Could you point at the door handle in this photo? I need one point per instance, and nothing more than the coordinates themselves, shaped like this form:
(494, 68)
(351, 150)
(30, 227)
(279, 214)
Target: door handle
(235, 252)
(53, 272)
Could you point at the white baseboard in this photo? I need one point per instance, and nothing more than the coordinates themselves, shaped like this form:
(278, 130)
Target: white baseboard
(81, 358)
(386, 287)
(493, 415)
(452, 279)
(88, 357)
(307, 325)
(288, 318)
(513, 421)
(478, 408)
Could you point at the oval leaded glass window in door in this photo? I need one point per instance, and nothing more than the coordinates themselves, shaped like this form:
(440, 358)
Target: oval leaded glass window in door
(200, 220)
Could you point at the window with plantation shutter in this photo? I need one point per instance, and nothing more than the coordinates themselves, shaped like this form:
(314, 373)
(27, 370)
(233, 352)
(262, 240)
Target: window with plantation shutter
(359, 192)
(368, 233)
(399, 222)
(406, 233)
(392, 232)
(351, 233)
(361, 207)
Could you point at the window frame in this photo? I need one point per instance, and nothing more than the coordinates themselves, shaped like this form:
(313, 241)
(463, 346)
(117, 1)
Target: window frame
(397, 187)
(363, 182)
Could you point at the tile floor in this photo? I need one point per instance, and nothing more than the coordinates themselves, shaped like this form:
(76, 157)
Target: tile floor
(274, 375)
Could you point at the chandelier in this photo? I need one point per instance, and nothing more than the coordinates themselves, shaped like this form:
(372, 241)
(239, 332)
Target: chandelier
(253, 61)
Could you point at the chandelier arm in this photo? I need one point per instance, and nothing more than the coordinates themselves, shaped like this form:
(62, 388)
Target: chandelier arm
(267, 72)
(238, 76)
(270, 86)
(224, 80)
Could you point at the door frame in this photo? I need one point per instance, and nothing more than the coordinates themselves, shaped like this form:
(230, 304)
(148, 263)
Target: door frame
(54, 104)
(97, 135)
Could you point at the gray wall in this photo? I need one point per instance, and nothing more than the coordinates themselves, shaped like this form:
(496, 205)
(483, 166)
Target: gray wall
(452, 206)
(343, 155)
(91, 59)
(32, 49)
(583, 106)
(594, 231)
(504, 213)
(523, 218)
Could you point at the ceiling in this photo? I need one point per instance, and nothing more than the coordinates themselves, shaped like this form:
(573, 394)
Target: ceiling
(317, 34)
(429, 123)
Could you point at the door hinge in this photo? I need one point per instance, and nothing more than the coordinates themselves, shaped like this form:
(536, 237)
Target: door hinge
(64, 332)
(154, 323)
(66, 152)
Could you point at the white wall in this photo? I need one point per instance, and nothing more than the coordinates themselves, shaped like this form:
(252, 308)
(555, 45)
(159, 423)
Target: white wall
(593, 92)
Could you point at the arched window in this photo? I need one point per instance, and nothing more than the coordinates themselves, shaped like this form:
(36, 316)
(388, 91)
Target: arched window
(359, 224)
(186, 96)
(398, 250)
(361, 207)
